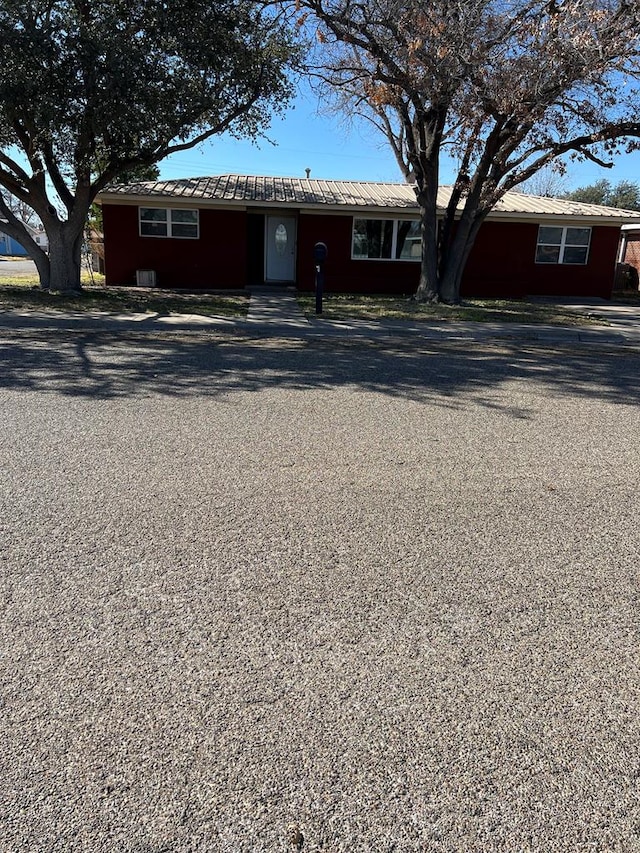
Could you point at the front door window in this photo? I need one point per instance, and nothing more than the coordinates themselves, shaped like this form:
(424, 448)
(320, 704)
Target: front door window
(281, 239)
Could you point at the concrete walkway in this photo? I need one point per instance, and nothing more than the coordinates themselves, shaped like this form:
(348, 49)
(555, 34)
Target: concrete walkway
(274, 312)
(275, 306)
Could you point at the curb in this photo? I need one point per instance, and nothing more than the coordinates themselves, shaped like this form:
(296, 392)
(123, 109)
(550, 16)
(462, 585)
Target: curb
(318, 329)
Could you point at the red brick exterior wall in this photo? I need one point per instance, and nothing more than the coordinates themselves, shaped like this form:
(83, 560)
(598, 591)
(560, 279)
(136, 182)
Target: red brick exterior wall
(632, 252)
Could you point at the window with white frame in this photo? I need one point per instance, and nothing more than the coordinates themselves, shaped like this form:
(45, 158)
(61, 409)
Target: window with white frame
(562, 245)
(386, 239)
(164, 222)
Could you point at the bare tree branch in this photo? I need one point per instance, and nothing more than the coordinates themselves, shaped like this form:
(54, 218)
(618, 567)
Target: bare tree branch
(506, 86)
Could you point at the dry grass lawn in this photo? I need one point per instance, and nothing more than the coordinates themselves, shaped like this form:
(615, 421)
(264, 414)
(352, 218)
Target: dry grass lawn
(365, 307)
(16, 292)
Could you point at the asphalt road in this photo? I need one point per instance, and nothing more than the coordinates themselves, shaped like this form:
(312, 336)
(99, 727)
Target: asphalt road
(270, 595)
(13, 267)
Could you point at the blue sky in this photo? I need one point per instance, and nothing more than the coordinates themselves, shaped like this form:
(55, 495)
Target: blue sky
(308, 136)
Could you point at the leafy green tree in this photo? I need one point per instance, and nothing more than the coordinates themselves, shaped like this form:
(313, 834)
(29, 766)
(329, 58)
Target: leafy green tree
(91, 89)
(625, 194)
(130, 176)
(597, 193)
(504, 87)
(144, 172)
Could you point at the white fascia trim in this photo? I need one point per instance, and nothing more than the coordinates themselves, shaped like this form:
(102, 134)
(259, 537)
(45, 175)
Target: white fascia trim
(362, 212)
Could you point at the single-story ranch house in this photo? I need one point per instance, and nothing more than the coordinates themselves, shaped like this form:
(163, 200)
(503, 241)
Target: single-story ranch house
(230, 231)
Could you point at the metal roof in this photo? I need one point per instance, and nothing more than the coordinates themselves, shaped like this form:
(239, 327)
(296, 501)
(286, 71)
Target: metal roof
(267, 190)
(256, 190)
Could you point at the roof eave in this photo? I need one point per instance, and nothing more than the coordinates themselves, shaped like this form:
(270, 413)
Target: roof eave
(388, 211)
(587, 219)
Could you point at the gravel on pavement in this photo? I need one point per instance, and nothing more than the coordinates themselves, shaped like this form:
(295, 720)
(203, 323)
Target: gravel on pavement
(287, 595)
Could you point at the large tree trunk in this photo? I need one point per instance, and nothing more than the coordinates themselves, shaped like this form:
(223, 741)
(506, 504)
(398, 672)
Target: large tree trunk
(37, 255)
(456, 257)
(428, 285)
(451, 282)
(41, 260)
(59, 270)
(65, 253)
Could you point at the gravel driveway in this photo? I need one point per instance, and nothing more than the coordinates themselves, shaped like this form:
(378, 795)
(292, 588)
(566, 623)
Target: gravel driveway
(276, 596)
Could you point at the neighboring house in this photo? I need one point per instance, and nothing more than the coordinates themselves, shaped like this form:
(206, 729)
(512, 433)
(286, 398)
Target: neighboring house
(95, 243)
(630, 245)
(230, 231)
(9, 246)
(41, 239)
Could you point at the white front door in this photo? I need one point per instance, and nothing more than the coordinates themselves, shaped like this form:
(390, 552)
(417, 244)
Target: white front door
(280, 248)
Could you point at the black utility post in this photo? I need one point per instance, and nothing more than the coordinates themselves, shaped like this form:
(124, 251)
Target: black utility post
(320, 252)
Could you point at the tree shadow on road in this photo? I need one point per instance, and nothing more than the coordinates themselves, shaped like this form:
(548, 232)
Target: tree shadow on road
(95, 365)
